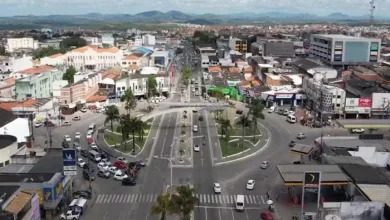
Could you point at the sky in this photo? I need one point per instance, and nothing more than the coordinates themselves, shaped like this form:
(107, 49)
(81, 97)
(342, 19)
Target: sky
(68, 7)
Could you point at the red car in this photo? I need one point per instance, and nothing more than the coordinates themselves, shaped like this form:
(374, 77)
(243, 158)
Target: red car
(267, 215)
(119, 164)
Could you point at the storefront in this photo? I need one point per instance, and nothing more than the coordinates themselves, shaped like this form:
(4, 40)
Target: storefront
(55, 194)
(357, 108)
(286, 99)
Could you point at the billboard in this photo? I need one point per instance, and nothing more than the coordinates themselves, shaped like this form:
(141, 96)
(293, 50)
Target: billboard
(352, 102)
(48, 194)
(69, 160)
(365, 102)
(380, 100)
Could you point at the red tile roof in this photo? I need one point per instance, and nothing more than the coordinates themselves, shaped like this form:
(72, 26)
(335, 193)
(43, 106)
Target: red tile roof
(9, 105)
(36, 70)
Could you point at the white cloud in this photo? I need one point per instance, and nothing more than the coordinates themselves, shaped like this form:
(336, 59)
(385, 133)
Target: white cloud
(321, 7)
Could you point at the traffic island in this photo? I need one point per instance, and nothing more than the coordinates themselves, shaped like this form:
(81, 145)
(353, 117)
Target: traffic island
(182, 142)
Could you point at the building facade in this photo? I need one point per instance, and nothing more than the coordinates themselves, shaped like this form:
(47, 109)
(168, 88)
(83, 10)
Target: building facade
(324, 99)
(79, 91)
(148, 40)
(53, 60)
(21, 43)
(13, 64)
(37, 86)
(238, 45)
(89, 58)
(341, 50)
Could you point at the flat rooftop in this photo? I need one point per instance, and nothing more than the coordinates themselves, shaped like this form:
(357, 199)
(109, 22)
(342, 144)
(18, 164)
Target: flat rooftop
(363, 174)
(7, 140)
(339, 160)
(382, 145)
(330, 174)
(50, 163)
(16, 168)
(363, 123)
(25, 177)
(7, 191)
(344, 37)
(375, 192)
(302, 149)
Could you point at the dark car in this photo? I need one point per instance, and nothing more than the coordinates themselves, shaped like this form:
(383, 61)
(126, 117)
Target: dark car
(267, 215)
(128, 182)
(292, 143)
(134, 165)
(103, 174)
(104, 156)
(88, 176)
(65, 144)
(141, 163)
(83, 193)
(84, 153)
(88, 169)
(200, 118)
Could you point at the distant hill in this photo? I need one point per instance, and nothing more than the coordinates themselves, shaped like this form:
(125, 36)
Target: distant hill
(174, 16)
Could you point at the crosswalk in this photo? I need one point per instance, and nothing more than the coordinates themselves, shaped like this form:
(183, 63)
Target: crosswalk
(208, 199)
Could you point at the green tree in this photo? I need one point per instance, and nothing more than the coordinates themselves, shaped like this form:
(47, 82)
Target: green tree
(243, 122)
(141, 127)
(73, 41)
(256, 110)
(163, 206)
(47, 51)
(183, 201)
(69, 74)
(130, 102)
(225, 128)
(187, 74)
(134, 127)
(125, 129)
(112, 114)
(151, 86)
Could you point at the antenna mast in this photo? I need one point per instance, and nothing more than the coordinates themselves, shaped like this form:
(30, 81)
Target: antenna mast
(372, 9)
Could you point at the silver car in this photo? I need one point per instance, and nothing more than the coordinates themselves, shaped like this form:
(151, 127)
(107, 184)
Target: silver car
(264, 165)
(301, 136)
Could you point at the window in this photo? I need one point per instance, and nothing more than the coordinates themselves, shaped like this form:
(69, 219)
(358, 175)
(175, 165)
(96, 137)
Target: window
(123, 88)
(337, 105)
(6, 162)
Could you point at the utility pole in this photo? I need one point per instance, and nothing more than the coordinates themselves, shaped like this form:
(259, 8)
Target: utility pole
(372, 8)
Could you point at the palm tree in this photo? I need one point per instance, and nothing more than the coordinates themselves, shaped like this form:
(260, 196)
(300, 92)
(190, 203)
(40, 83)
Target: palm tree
(243, 122)
(134, 127)
(183, 201)
(163, 205)
(151, 86)
(140, 129)
(256, 109)
(125, 128)
(225, 128)
(112, 114)
(130, 102)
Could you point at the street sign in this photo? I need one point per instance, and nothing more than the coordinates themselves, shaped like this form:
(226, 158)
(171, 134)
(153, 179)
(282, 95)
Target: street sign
(312, 184)
(69, 159)
(312, 179)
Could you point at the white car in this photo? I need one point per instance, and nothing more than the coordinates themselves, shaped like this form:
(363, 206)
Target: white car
(119, 175)
(107, 162)
(301, 136)
(89, 134)
(123, 160)
(77, 146)
(66, 123)
(271, 109)
(112, 169)
(94, 146)
(38, 124)
(250, 184)
(102, 166)
(196, 148)
(264, 165)
(81, 162)
(217, 188)
(77, 135)
(357, 130)
(195, 129)
(67, 138)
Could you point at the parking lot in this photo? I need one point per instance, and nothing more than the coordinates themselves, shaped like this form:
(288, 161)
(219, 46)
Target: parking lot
(228, 213)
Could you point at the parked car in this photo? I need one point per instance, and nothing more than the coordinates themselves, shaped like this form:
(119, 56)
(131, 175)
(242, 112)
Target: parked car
(112, 169)
(128, 182)
(88, 175)
(250, 184)
(357, 130)
(83, 193)
(84, 153)
(38, 124)
(81, 162)
(267, 215)
(83, 110)
(292, 143)
(280, 111)
(200, 118)
(76, 146)
(271, 109)
(67, 138)
(76, 118)
(123, 160)
(102, 166)
(103, 174)
(119, 164)
(119, 175)
(70, 215)
(66, 123)
(196, 148)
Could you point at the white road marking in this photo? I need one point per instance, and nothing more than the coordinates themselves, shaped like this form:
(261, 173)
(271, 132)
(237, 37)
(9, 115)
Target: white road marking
(226, 199)
(262, 199)
(99, 197)
(120, 199)
(250, 199)
(109, 198)
(128, 198)
(105, 198)
(246, 199)
(258, 199)
(201, 198)
(212, 198)
(208, 198)
(136, 197)
(151, 198)
(132, 198)
(246, 214)
(117, 199)
(219, 213)
(206, 213)
(231, 199)
(232, 213)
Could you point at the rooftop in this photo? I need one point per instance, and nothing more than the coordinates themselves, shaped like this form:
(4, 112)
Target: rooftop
(376, 192)
(6, 140)
(363, 123)
(16, 168)
(56, 55)
(6, 116)
(131, 57)
(337, 160)
(98, 50)
(36, 70)
(26, 177)
(381, 145)
(50, 163)
(18, 202)
(340, 36)
(363, 174)
(7, 192)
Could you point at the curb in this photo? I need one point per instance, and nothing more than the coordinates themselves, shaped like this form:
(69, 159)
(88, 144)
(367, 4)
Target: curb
(252, 154)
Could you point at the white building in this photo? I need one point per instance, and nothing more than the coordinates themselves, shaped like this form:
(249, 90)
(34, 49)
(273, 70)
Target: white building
(159, 59)
(13, 64)
(108, 39)
(137, 82)
(329, 100)
(148, 40)
(88, 58)
(93, 41)
(137, 41)
(21, 43)
(54, 60)
(338, 50)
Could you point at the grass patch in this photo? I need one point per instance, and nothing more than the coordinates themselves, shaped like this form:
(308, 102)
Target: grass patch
(231, 148)
(114, 139)
(237, 131)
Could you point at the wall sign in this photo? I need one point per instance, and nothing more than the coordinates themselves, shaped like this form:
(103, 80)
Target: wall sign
(284, 96)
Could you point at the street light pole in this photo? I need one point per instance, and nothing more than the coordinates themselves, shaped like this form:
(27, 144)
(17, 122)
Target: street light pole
(170, 161)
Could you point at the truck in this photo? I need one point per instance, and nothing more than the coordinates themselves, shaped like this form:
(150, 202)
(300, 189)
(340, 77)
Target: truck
(70, 215)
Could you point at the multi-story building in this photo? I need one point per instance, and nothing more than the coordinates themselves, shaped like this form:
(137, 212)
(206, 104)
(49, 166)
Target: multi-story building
(133, 63)
(148, 40)
(108, 39)
(324, 99)
(273, 47)
(14, 64)
(159, 58)
(238, 45)
(37, 86)
(80, 90)
(53, 60)
(93, 41)
(137, 82)
(21, 43)
(137, 41)
(89, 58)
(343, 51)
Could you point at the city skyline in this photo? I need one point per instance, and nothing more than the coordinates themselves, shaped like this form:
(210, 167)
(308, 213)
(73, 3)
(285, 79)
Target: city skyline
(74, 7)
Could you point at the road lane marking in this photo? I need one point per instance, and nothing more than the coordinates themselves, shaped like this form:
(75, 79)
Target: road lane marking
(258, 199)
(232, 199)
(227, 207)
(212, 198)
(262, 199)
(99, 197)
(246, 214)
(136, 198)
(109, 198)
(232, 213)
(246, 199)
(151, 198)
(116, 198)
(128, 198)
(105, 197)
(155, 198)
(219, 213)
(252, 200)
(205, 213)
(120, 199)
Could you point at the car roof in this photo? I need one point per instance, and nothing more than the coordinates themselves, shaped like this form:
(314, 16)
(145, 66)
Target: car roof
(251, 181)
(217, 184)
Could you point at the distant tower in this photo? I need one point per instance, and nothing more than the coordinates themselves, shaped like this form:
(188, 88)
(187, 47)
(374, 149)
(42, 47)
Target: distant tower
(372, 8)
